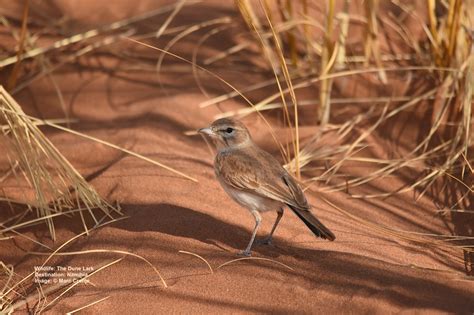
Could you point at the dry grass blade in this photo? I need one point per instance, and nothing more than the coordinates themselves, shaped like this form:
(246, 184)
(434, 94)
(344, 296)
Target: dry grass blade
(254, 258)
(184, 33)
(6, 128)
(200, 257)
(80, 281)
(87, 305)
(170, 18)
(270, 128)
(233, 94)
(196, 49)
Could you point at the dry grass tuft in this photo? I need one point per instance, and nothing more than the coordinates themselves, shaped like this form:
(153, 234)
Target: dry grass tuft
(56, 184)
(441, 156)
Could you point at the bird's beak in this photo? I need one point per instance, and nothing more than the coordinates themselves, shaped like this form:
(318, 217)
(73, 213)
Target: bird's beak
(207, 131)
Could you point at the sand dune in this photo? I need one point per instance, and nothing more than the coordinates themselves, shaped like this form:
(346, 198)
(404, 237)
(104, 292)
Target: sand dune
(361, 272)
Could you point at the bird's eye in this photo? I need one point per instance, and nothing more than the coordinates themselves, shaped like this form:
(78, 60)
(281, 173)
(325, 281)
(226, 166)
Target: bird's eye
(229, 130)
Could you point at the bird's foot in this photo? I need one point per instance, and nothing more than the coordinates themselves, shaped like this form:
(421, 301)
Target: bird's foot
(244, 253)
(265, 241)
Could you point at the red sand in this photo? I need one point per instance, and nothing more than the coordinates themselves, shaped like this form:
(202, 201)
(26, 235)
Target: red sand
(361, 272)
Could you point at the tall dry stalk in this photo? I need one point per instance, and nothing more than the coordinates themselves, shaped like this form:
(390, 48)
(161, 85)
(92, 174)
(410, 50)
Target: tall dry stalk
(449, 33)
(287, 14)
(253, 22)
(327, 63)
(21, 45)
(372, 45)
(278, 65)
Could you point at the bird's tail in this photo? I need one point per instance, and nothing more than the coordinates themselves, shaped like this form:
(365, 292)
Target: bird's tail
(313, 224)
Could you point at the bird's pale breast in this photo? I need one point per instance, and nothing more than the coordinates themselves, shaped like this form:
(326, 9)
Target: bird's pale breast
(251, 201)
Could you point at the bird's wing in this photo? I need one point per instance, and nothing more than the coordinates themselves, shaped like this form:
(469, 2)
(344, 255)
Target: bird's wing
(295, 191)
(262, 175)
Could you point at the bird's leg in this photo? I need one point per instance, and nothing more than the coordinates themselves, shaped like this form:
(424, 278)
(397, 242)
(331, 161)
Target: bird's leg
(258, 219)
(268, 240)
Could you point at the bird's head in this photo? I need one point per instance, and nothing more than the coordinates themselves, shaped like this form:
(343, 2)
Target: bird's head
(228, 133)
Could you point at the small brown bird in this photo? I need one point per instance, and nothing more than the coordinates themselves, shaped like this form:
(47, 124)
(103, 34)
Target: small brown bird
(255, 179)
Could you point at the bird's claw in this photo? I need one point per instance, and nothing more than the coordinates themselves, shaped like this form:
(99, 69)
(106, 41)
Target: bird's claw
(244, 253)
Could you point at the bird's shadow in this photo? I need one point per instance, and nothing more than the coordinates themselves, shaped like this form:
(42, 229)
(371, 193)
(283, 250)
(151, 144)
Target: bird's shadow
(322, 268)
(184, 222)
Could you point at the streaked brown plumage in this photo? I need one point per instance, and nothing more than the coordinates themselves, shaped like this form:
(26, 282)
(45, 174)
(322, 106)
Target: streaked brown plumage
(255, 179)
